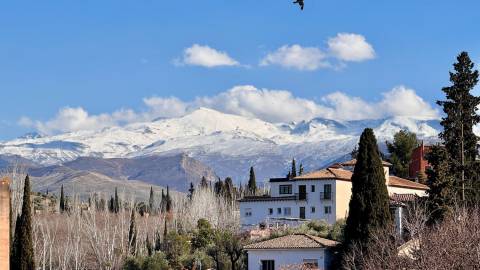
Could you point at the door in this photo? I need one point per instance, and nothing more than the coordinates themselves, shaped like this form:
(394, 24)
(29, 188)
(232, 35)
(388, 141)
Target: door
(302, 192)
(302, 212)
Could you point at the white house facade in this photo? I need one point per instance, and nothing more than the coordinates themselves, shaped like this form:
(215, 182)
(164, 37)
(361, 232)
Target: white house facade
(290, 252)
(319, 195)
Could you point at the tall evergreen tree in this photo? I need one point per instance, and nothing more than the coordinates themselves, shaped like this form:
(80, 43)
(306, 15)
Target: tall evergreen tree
(300, 170)
(229, 189)
(116, 202)
(441, 195)
(369, 204)
(151, 200)
(294, 169)
(401, 150)
(191, 190)
(204, 182)
(219, 187)
(163, 203)
(252, 182)
(132, 233)
(168, 204)
(158, 241)
(111, 204)
(62, 200)
(460, 109)
(23, 257)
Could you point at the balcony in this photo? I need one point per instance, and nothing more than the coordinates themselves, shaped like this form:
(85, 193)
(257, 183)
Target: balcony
(301, 196)
(325, 196)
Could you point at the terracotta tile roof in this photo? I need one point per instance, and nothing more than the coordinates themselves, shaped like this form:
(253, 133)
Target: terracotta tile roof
(354, 161)
(395, 181)
(341, 174)
(328, 173)
(400, 199)
(294, 241)
(267, 198)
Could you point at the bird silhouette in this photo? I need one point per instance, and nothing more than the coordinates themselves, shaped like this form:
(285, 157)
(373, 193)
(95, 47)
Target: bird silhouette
(300, 3)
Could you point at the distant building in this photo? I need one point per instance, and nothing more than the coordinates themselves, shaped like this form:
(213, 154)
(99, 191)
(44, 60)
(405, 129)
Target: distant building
(319, 195)
(297, 251)
(418, 163)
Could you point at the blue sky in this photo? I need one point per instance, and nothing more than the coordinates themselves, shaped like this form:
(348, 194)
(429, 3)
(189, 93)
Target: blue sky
(105, 56)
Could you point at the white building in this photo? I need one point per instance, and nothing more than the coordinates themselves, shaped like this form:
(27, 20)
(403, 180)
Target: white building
(290, 252)
(318, 195)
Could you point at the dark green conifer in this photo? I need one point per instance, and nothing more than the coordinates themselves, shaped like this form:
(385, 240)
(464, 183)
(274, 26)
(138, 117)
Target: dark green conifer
(300, 170)
(369, 204)
(229, 189)
(293, 174)
(116, 202)
(62, 200)
(23, 257)
(441, 195)
(168, 203)
(191, 190)
(204, 182)
(252, 182)
(132, 233)
(158, 241)
(401, 150)
(460, 108)
(151, 201)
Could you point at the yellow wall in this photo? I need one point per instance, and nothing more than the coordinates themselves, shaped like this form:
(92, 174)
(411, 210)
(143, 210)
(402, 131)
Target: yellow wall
(343, 192)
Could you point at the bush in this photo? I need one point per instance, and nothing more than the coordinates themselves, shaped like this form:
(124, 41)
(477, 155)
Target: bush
(156, 262)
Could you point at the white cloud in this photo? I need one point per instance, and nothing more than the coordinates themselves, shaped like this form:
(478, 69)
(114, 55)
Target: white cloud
(351, 47)
(246, 100)
(199, 55)
(297, 57)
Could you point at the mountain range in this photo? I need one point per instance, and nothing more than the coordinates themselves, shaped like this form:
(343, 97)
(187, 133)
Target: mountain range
(205, 142)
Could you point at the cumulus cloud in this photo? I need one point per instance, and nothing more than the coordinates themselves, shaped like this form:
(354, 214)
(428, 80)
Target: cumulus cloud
(246, 100)
(205, 56)
(297, 57)
(350, 47)
(345, 47)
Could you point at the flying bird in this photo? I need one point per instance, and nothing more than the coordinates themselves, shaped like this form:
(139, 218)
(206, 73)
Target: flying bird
(300, 3)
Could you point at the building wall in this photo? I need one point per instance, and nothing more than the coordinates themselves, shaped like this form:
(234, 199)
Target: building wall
(418, 162)
(342, 198)
(341, 193)
(285, 258)
(260, 209)
(4, 224)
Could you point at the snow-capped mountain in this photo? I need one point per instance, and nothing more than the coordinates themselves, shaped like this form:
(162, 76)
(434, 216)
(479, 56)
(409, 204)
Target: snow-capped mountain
(230, 144)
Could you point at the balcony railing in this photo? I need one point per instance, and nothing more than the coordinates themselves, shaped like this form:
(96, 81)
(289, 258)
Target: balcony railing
(325, 196)
(301, 196)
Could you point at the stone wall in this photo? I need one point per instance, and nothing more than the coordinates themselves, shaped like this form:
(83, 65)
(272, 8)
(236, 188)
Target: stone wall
(4, 224)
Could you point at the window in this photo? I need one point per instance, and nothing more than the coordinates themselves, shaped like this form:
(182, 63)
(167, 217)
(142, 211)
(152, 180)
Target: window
(270, 211)
(313, 188)
(285, 189)
(328, 209)
(279, 211)
(310, 263)
(248, 212)
(327, 192)
(313, 209)
(268, 265)
(287, 211)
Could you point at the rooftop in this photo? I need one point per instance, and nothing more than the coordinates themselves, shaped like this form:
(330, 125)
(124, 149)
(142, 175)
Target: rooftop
(352, 162)
(294, 241)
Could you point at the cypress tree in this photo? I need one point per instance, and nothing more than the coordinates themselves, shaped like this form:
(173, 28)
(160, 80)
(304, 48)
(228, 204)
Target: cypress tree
(111, 205)
(369, 204)
(132, 233)
(168, 203)
(191, 190)
(62, 200)
(204, 182)
(219, 187)
(229, 189)
(294, 169)
(158, 241)
(441, 195)
(23, 257)
(151, 200)
(460, 141)
(163, 203)
(252, 182)
(300, 170)
(116, 203)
